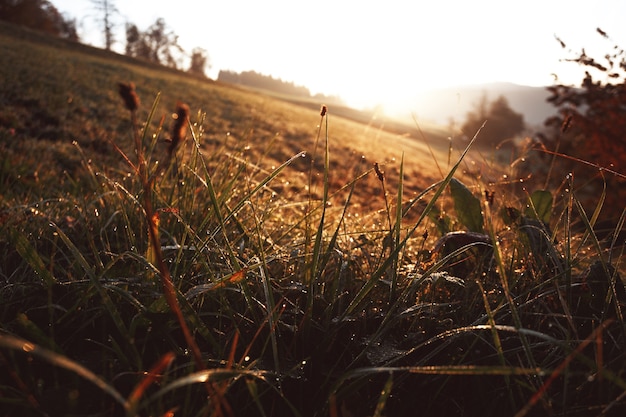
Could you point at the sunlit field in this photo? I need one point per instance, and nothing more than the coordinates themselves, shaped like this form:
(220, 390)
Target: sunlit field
(173, 246)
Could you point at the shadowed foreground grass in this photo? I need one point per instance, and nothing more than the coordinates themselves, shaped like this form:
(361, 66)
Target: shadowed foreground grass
(190, 279)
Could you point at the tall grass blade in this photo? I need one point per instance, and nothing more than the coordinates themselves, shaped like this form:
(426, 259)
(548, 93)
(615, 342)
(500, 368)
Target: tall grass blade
(30, 255)
(497, 342)
(384, 396)
(397, 228)
(317, 245)
(215, 203)
(376, 276)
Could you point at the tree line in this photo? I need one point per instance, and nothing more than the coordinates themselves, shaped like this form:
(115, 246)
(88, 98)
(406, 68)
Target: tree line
(269, 83)
(157, 44)
(266, 82)
(40, 15)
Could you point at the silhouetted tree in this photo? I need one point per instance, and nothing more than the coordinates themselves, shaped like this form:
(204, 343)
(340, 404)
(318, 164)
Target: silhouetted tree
(107, 11)
(68, 29)
(136, 45)
(163, 43)
(40, 15)
(199, 62)
(502, 122)
(591, 121)
(158, 44)
(595, 112)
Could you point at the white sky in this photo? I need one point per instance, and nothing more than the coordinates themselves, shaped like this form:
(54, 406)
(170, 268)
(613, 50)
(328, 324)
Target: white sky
(384, 51)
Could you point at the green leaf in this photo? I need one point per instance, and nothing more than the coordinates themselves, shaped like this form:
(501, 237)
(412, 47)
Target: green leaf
(510, 215)
(540, 207)
(441, 221)
(467, 206)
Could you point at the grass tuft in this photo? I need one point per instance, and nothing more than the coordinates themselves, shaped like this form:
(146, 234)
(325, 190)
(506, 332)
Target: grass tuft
(219, 268)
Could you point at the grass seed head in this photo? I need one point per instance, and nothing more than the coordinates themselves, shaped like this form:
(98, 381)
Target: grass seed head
(380, 174)
(179, 127)
(323, 110)
(128, 94)
(489, 197)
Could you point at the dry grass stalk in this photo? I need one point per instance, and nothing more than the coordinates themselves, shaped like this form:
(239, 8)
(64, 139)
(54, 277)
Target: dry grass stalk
(128, 94)
(179, 127)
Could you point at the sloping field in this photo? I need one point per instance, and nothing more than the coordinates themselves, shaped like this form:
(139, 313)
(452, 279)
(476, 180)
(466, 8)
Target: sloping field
(56, 92)
(275, 264)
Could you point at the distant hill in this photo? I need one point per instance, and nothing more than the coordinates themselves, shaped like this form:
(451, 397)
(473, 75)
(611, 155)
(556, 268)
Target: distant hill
(445, 104)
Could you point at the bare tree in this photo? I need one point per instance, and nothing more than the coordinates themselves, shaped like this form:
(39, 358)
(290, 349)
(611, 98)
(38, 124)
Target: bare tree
(163, 43)
(107, 12)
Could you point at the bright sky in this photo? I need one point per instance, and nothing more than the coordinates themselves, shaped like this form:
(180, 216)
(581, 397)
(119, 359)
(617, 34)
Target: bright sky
(380, 52)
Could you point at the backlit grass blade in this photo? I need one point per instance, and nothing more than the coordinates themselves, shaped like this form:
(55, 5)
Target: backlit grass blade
(209, 375)
(396, 232)
(20, 345)
(497, 342)
(319, 233)
(384, 396)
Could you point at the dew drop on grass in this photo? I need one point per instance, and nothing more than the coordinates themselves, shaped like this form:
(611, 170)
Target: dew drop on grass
(28, 347)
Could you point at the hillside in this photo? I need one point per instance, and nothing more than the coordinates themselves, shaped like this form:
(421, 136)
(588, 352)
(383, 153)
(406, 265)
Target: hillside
(56, 92)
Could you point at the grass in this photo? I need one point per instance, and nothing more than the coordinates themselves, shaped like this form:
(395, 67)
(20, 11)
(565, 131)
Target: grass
(266, 268)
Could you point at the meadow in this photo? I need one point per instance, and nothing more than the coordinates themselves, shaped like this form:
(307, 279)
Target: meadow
(172, 246)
